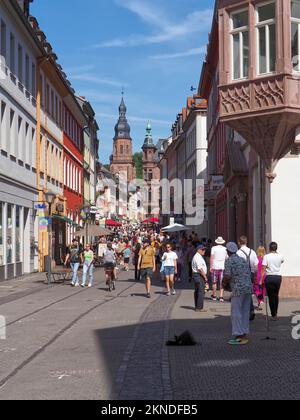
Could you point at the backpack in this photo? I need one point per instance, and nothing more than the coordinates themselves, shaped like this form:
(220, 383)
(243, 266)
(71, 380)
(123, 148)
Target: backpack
(109, 258)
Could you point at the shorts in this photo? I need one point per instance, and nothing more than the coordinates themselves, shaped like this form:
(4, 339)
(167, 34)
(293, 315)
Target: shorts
(217, 276)
(126, 260)
(169, 271)
(146, 272)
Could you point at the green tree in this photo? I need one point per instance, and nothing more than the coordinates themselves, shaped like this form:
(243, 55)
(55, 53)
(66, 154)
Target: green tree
(138, 160)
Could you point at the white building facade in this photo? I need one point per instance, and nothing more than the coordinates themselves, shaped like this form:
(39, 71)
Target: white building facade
(18, 192)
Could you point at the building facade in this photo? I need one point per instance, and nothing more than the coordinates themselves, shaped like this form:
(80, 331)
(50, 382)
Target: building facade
(41, 141)
(18, 189)
(151, 172)
(253, 65)
(90, 155)
(185, 159)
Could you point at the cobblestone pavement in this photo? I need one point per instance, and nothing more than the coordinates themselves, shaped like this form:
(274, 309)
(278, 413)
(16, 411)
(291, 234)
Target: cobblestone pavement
(65, 343)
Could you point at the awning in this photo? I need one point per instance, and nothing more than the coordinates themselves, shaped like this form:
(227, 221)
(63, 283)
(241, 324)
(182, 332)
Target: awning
(65, 220)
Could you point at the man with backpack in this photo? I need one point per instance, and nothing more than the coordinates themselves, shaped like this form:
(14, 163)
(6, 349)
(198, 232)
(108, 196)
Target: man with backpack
(250, 256)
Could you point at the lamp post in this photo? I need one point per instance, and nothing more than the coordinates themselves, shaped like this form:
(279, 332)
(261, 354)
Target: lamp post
(87, 212)
(49, 197)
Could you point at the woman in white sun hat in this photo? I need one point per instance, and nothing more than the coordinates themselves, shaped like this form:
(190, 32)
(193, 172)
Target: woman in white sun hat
(217, 267)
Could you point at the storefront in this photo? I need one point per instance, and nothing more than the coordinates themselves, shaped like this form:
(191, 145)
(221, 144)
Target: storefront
(17, 243)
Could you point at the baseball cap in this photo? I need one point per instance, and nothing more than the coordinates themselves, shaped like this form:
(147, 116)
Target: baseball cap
(232, 247)
(201, 247)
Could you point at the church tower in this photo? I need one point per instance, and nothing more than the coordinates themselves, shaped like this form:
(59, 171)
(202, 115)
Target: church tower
(122, 157)
(150, 158)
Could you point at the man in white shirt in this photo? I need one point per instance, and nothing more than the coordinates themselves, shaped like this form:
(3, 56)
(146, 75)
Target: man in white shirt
(217, 267)
(272, 267)
(199, 268)
(250, 256)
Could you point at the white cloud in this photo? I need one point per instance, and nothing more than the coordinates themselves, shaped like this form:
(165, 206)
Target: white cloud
(164, 30)
(90, 78)
(148, 13)
(188, 53)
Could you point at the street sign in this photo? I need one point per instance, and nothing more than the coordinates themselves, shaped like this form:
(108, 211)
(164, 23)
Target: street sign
(40, 206)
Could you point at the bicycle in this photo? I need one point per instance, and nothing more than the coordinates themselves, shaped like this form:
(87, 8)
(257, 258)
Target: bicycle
(110, 278)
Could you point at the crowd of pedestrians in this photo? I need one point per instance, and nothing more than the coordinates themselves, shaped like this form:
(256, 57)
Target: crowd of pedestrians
(220, 267)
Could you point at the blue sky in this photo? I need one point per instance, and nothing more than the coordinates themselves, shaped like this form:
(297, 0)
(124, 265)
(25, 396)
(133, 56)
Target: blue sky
(154, 48)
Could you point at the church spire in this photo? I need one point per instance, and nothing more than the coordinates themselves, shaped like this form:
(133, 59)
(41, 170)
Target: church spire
(122, 128)
(148, 143)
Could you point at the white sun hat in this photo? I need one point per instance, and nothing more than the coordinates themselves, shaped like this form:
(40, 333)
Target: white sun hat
(220, 241)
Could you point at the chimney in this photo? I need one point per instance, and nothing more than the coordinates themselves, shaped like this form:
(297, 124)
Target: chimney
(25, 6)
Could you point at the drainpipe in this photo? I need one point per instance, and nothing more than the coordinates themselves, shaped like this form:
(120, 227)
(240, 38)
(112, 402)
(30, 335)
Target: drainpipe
(262, 203)
(38, 160)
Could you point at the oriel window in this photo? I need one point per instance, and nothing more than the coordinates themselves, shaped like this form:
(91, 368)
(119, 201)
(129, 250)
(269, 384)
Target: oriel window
(240, 44)
(266, 38)
(295, 41)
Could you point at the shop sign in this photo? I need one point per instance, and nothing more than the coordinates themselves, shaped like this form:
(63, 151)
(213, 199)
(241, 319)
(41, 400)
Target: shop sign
(43, 224)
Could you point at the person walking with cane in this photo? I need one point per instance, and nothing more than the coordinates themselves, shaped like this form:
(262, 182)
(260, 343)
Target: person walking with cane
(237, 277)
(88, 267)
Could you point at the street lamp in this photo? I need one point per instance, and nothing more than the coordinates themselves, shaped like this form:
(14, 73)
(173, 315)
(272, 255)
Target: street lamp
(87, 212)
(49, 197)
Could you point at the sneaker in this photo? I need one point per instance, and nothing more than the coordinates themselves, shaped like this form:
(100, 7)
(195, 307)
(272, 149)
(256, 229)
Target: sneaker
(275, 319)
(173, 292)
(221, 300)
(238, 342)
(90, 285)
(76, 285)
(83, 285)
(148, 295)
(168, 293)
(214, 298)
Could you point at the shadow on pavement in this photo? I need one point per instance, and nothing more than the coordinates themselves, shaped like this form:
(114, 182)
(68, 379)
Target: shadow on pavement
(210, 371)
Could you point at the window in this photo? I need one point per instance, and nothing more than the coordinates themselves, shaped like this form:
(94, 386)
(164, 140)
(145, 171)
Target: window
(18, 234)
(240, 44)
(27, 72)
(12, 54)
(1, 236)
(33, 80)
(47, 98)
(56, 110)
(9, 241)
(295, 42)
(42, 89)
(20, 63)
(266, 38)
(52, 103)
(3, 39)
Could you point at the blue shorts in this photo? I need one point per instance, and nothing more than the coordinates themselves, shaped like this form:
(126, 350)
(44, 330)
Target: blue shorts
(169, 271)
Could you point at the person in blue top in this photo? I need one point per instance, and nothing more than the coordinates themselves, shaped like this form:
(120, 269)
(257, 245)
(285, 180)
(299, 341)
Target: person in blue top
(127, 254)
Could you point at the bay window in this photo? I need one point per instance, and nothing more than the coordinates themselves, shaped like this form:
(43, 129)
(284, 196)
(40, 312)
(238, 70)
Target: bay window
(240, 44)
(295, 45)
(266, 38)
